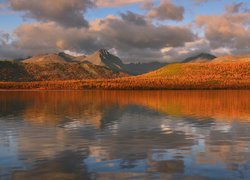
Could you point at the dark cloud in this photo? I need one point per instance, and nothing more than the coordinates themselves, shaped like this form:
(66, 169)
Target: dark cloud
(8, 49)
(4, 37)
(68, 13)
(133, 18)
(143, 42)
(167, 11)
(147, 36)
(50, 37)
(230, 31)
(140, 41)
(234, 8)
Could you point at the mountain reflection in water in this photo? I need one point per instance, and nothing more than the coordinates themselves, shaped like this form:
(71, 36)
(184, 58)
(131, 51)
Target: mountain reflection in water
(125, 134)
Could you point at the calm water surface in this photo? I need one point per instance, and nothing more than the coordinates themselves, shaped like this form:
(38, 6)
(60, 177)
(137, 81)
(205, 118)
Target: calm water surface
(125, 135)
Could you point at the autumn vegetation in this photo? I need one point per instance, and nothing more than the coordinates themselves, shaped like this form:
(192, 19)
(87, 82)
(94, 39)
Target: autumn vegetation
(213, 75)
(27, 72)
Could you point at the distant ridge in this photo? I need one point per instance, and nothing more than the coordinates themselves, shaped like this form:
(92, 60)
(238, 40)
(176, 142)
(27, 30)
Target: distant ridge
(200, 58)
(104, 58)
(142, 68)
(50, 58)
(245, 58)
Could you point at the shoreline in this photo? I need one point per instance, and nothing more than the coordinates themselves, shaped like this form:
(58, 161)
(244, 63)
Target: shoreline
(113, 85)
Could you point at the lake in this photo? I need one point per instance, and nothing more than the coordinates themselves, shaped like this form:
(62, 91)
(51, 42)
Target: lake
(125, 134)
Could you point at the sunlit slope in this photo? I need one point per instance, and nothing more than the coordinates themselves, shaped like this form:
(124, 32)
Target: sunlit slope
(215, 70)
(216, 74)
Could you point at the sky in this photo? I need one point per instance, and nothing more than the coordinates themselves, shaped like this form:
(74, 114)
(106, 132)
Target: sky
(135, 30)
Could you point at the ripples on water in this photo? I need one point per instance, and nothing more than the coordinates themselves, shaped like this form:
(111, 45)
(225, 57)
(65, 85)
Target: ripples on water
(125, 135)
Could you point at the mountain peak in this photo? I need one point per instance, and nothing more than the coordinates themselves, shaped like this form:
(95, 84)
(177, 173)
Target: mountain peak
(103, 52)
(202, 57)
(102, 57)
(206, 55)
(62, 54)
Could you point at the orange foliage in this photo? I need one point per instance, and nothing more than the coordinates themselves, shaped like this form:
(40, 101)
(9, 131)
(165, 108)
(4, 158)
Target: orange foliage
(226, 75)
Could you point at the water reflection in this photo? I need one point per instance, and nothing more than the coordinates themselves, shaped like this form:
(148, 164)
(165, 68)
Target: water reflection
(125, 134)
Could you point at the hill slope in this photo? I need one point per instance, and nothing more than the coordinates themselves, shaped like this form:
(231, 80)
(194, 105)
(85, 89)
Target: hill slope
(50, 58)
(19, 71)
(192, 71)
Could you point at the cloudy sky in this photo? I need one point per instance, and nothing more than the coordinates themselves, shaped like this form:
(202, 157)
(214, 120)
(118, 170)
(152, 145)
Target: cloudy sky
(135, 30)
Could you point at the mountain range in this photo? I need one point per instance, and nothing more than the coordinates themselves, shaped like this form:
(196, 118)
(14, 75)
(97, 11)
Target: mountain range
(101, 58)
(62, 66)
